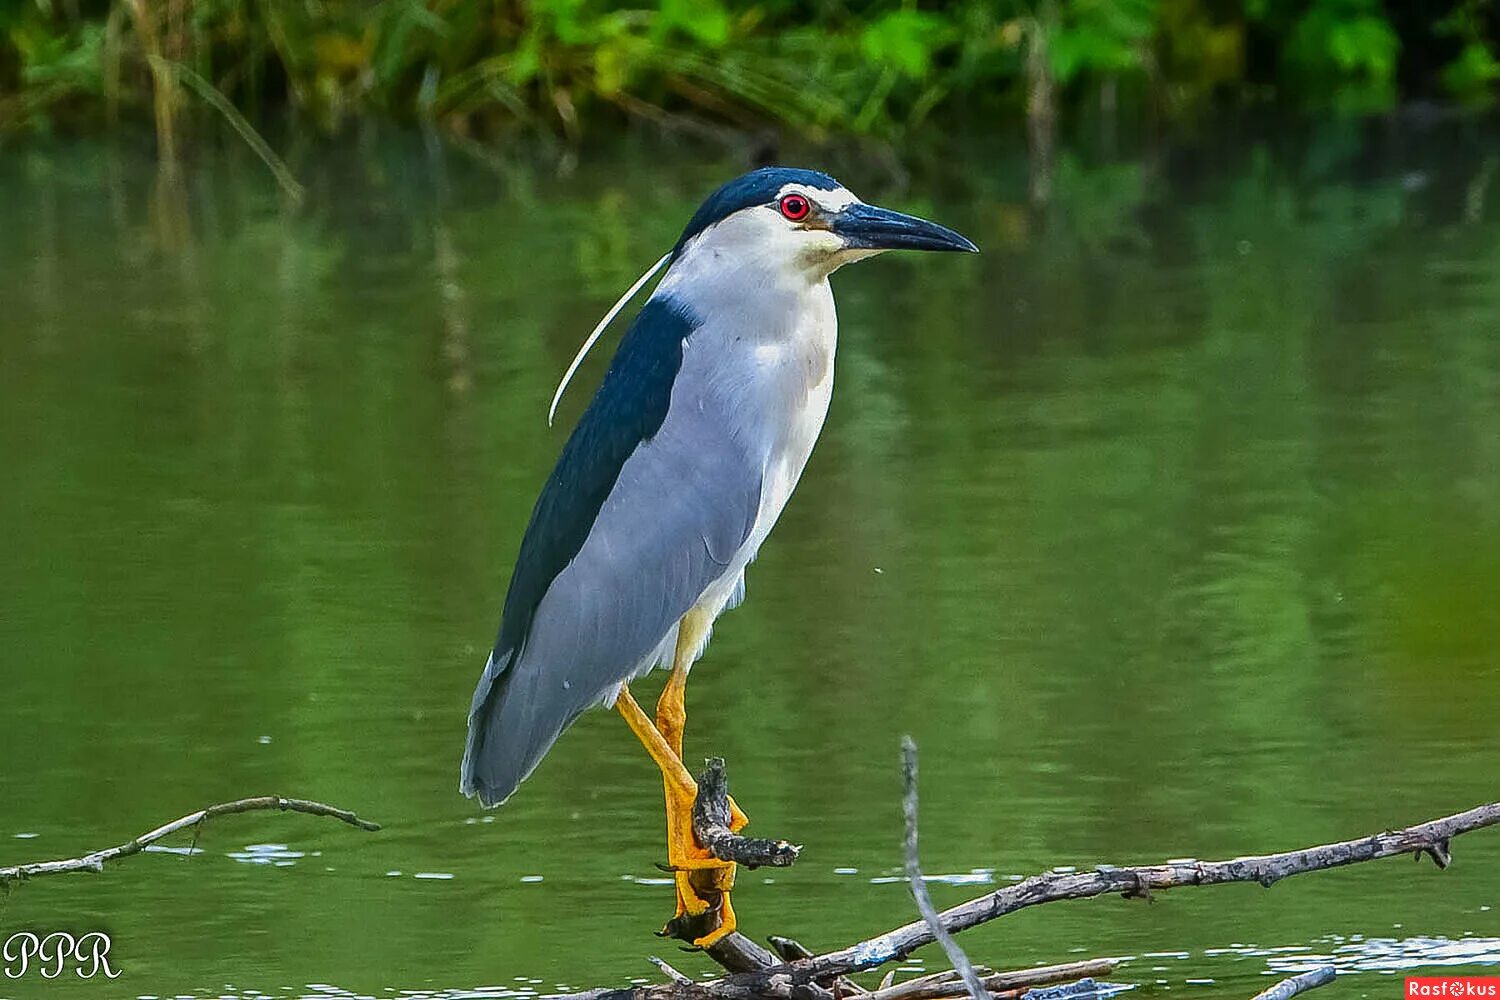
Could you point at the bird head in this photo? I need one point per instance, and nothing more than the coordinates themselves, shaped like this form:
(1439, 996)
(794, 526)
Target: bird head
(803, 220)
(779, 226)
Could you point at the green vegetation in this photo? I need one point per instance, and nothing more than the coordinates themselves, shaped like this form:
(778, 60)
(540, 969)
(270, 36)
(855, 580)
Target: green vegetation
(872, 68)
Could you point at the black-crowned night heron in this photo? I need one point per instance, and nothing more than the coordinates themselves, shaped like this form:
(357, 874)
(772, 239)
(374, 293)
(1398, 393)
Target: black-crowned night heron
(670, 483)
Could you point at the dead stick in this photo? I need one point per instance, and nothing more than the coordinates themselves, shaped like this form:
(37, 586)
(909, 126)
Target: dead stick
(671, 973)
(921, 986)
(790, 950)
(944, 984)
(956, 956)
(737, 953)
(1291, 986)
(1049, 975)
(1046, 975)
(94, 862)
(711, 825)
(1079, 989)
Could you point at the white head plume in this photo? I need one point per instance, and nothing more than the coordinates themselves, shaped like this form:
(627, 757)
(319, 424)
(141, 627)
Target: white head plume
(589, 343)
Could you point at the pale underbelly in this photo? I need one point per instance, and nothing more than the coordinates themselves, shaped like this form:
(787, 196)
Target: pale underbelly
(727, 590)
(782, 474)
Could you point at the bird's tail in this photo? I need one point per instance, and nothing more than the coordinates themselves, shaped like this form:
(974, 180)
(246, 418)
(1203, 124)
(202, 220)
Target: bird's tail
(508, 735)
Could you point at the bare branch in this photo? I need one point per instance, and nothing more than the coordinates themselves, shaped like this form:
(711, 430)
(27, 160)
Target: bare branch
(737, 953)
(94, 862)
(671, 973)
(956, 956)
(1291, 986)
(1431, 838)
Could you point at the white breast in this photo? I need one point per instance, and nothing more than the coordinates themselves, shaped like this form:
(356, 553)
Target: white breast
(782, 372)
(800, 372)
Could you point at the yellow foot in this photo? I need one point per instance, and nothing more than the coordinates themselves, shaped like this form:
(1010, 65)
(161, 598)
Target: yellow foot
(703, 882)
(737, 819)
(704, 913)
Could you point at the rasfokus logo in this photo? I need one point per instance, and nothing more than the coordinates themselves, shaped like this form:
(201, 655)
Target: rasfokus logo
(1453, 987)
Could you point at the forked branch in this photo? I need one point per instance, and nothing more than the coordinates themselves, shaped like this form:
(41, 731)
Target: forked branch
(94, 861)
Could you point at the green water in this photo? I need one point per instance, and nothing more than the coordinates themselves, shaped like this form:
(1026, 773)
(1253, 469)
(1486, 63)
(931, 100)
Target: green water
(1168, 527)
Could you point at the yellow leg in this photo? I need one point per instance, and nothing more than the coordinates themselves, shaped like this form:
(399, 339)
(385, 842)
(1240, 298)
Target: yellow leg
(672, 772)
(703, 882)
(671, 708)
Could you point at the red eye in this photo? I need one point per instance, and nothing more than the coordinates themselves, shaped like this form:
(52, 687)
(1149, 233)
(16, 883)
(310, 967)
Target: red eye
(795, 207)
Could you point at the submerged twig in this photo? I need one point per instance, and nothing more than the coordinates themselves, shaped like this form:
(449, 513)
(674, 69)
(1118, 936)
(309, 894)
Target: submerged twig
(94, 862)
(956, 956)
(1292, 985)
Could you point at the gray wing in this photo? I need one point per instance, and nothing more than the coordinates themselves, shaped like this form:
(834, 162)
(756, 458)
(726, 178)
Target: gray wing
(683, 505)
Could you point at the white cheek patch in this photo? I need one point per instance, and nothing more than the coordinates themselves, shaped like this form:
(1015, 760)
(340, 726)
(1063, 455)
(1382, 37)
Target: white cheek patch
(757, 239)
(813, 243)
(830, 201)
